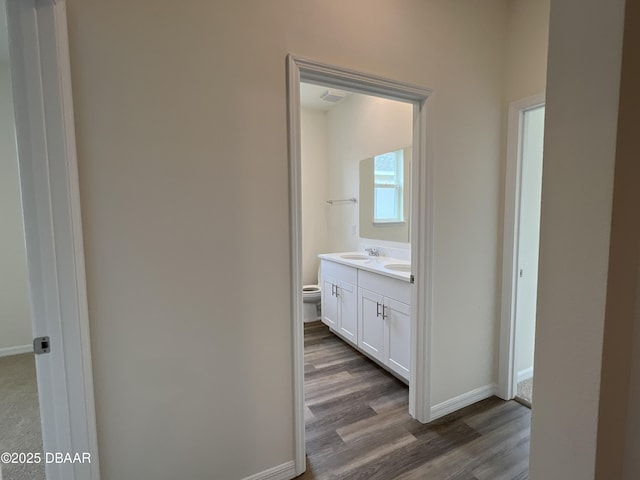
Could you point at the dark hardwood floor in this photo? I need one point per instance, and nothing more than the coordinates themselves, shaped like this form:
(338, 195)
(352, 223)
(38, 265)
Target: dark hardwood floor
(357, 425)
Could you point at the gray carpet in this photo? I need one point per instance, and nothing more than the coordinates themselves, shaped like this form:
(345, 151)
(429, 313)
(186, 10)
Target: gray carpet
(525, 392)
(20, 415)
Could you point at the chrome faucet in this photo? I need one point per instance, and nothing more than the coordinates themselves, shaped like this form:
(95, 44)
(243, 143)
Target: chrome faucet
(373, 252)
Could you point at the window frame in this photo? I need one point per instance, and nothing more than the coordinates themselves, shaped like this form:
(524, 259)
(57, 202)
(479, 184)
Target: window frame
(397, 185)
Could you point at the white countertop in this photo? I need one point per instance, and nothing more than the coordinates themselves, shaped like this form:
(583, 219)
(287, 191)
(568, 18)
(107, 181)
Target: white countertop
(372, 264)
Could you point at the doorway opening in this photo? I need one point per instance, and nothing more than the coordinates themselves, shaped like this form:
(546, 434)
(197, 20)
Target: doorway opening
(339, 281)
(19, 406)
(38, 56)
(521, 248)
(356, 154)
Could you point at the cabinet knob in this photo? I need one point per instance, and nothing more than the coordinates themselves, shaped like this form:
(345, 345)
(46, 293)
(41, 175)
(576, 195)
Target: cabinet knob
(377, 309)
(384, 315)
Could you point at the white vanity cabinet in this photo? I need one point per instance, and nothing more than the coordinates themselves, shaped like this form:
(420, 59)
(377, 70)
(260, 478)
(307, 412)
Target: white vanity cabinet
(340, 299)
(384, 320)
(368, 304)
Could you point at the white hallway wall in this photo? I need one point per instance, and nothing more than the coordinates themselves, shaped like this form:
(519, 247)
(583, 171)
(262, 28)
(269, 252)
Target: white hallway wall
(15, 319)
(585, 42)
(142, 163)
(182, 152)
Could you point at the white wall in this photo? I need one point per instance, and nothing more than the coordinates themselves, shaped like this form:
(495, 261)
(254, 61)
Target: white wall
(15, 320)
(315, 190)
(360, 127)
(580, 144)
(528, 33)
(182, 149)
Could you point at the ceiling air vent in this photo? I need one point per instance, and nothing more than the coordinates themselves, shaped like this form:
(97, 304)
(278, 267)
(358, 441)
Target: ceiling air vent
(333, 95)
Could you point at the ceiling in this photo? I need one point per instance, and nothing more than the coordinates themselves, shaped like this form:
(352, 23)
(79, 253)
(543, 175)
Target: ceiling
(310, 97)
(4, 39)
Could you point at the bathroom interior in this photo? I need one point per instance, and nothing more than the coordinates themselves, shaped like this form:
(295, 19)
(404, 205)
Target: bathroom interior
(356, 153)
(356, 165)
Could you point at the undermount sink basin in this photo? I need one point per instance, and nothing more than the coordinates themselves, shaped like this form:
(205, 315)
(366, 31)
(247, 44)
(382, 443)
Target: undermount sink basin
(354, 256)
(398, 267)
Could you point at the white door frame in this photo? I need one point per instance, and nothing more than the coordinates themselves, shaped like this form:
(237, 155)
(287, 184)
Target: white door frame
(507, 375)
(39, 60)
(300, 69)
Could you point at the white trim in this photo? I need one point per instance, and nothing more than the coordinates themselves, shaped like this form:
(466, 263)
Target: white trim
(39, 54)
(295, 199)
(422, 263)
(462, 401)
(422, 227)
(286, 471)
(525, 374)
(333, 76)
(507, 384)
(17, 350)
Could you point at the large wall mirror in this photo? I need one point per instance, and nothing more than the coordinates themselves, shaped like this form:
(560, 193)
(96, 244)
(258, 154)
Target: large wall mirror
(385, 196)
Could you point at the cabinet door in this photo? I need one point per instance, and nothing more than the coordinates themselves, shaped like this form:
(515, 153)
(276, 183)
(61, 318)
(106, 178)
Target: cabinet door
(348, 311)
(329, 302)
(371, 333)
(398, 318)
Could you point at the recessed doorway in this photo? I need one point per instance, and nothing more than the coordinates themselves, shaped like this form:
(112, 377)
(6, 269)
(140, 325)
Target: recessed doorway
(303, 70)
(49, 193)
(356, 155)
(20, 429)
(521, 248)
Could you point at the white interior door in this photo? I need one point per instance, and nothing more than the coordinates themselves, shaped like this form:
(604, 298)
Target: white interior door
(532, 137)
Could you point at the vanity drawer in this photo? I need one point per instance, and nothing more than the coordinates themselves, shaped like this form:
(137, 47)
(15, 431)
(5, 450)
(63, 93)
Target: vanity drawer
(387, 286)
(339, 271)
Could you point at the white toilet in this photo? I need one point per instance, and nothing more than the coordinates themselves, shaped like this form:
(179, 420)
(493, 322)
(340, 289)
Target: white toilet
(311, 297)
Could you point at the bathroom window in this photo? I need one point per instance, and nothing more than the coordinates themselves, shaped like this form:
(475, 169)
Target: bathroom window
(387, 198)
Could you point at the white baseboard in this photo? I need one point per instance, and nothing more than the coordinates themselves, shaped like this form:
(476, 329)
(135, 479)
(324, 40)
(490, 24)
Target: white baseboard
(464, 400)
(525, 374)
(6, 351)
(286, 471)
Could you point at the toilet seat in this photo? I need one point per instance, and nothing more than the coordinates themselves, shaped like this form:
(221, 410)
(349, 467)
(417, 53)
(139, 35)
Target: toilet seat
(310, 290)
